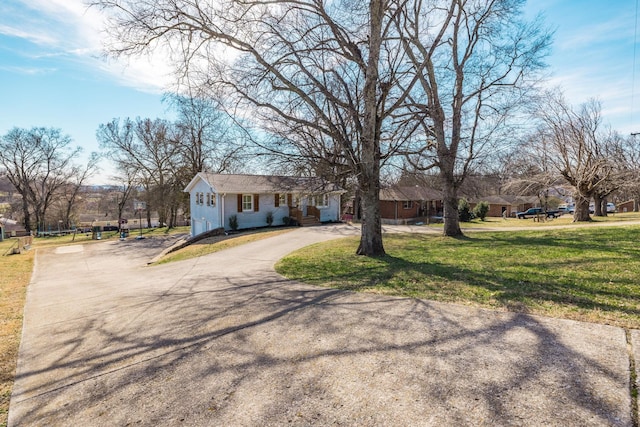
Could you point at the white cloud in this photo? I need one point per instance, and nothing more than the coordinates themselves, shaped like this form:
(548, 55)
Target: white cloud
(32, 71)
(70, 28)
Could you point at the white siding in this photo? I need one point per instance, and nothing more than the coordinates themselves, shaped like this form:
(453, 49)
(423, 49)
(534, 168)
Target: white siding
(266, 203)
(331, 212)
(204, 217)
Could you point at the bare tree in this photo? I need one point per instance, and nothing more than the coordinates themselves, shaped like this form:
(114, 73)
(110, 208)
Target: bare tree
(578, 143)
(474, 62)
(533, 172)
(147, 148)
(208, 139)
(325, 66)
(38, 162)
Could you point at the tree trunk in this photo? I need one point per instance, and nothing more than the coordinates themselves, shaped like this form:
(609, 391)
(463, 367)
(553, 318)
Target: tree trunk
(450, 210)
(371, 235)
(582, 209)
(369, 180)
(597, 205)
(26, 214)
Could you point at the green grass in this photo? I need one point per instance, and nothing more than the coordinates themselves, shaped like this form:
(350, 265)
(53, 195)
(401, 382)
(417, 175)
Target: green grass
(564, 220)
(585, 273)
(218, 243)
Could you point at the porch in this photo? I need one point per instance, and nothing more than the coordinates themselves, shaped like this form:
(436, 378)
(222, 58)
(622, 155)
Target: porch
(310, 219)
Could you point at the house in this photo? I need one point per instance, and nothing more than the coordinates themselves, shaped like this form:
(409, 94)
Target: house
(11, 228)
(252, 199)
(401, 205)
(628, 206)
(506, 205)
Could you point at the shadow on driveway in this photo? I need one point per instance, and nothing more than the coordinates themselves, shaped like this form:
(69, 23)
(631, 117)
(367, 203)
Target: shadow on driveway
(210, 342)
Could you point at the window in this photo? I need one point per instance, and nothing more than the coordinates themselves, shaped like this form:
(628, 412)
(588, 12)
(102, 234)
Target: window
(199, 198)
(321, 201)
(408, 204)
(213, 200)
(282, 199)
(208, 199)
(247, 202)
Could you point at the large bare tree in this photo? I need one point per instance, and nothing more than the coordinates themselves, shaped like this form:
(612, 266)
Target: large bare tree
(325, 66)
(475, 62)
(39, 163)
(578, 143)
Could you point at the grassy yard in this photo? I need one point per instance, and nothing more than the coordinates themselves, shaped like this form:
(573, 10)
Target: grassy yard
(564, 220)
(585, 273)
(218, 243)
(16, 273)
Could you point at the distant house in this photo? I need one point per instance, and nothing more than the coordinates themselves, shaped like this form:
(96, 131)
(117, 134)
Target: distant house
(628, 206)
(215, 198)
(499, 204)
(401, 205)
(11, 228)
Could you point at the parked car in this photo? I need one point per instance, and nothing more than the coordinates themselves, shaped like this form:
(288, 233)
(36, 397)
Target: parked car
(611, 207)
(533, 212)
(566, 208)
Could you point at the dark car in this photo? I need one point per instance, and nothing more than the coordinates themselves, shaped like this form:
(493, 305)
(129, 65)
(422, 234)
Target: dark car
(534, 212)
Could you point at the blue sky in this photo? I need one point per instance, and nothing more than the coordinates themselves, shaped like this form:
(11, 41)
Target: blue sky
(52, 73)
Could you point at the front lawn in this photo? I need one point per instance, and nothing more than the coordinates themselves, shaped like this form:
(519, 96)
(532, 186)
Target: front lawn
(218, 243)
(15, 276)
(586, 273)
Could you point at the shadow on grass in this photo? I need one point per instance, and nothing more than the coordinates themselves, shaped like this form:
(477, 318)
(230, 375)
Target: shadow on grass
(558, 272)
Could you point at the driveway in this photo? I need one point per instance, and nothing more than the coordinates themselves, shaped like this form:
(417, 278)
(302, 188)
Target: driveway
(224, 340)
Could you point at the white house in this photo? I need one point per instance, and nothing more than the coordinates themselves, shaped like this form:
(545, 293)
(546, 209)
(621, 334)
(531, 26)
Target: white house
(215, 198)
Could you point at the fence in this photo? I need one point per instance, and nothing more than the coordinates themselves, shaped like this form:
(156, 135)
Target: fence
(21, 244)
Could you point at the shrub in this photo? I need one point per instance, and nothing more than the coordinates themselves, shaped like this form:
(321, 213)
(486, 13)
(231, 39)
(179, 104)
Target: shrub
(269, 218)
(233, 222)
(286, 220)
(464, 211)
(481, 210)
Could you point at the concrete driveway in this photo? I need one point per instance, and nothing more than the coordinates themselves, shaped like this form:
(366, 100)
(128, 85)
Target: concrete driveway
(224, 340)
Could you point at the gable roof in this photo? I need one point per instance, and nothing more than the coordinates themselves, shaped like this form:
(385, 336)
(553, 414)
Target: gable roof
(238, 184)
(414, 193)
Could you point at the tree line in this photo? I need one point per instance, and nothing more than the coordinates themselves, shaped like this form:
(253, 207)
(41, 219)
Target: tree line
(352, 90)
(352, 84)
(154, 160)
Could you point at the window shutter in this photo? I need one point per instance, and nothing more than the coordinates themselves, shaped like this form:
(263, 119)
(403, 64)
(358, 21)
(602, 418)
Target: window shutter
(239, 202)
(256, 206)
(276, 201)
(289, 197)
